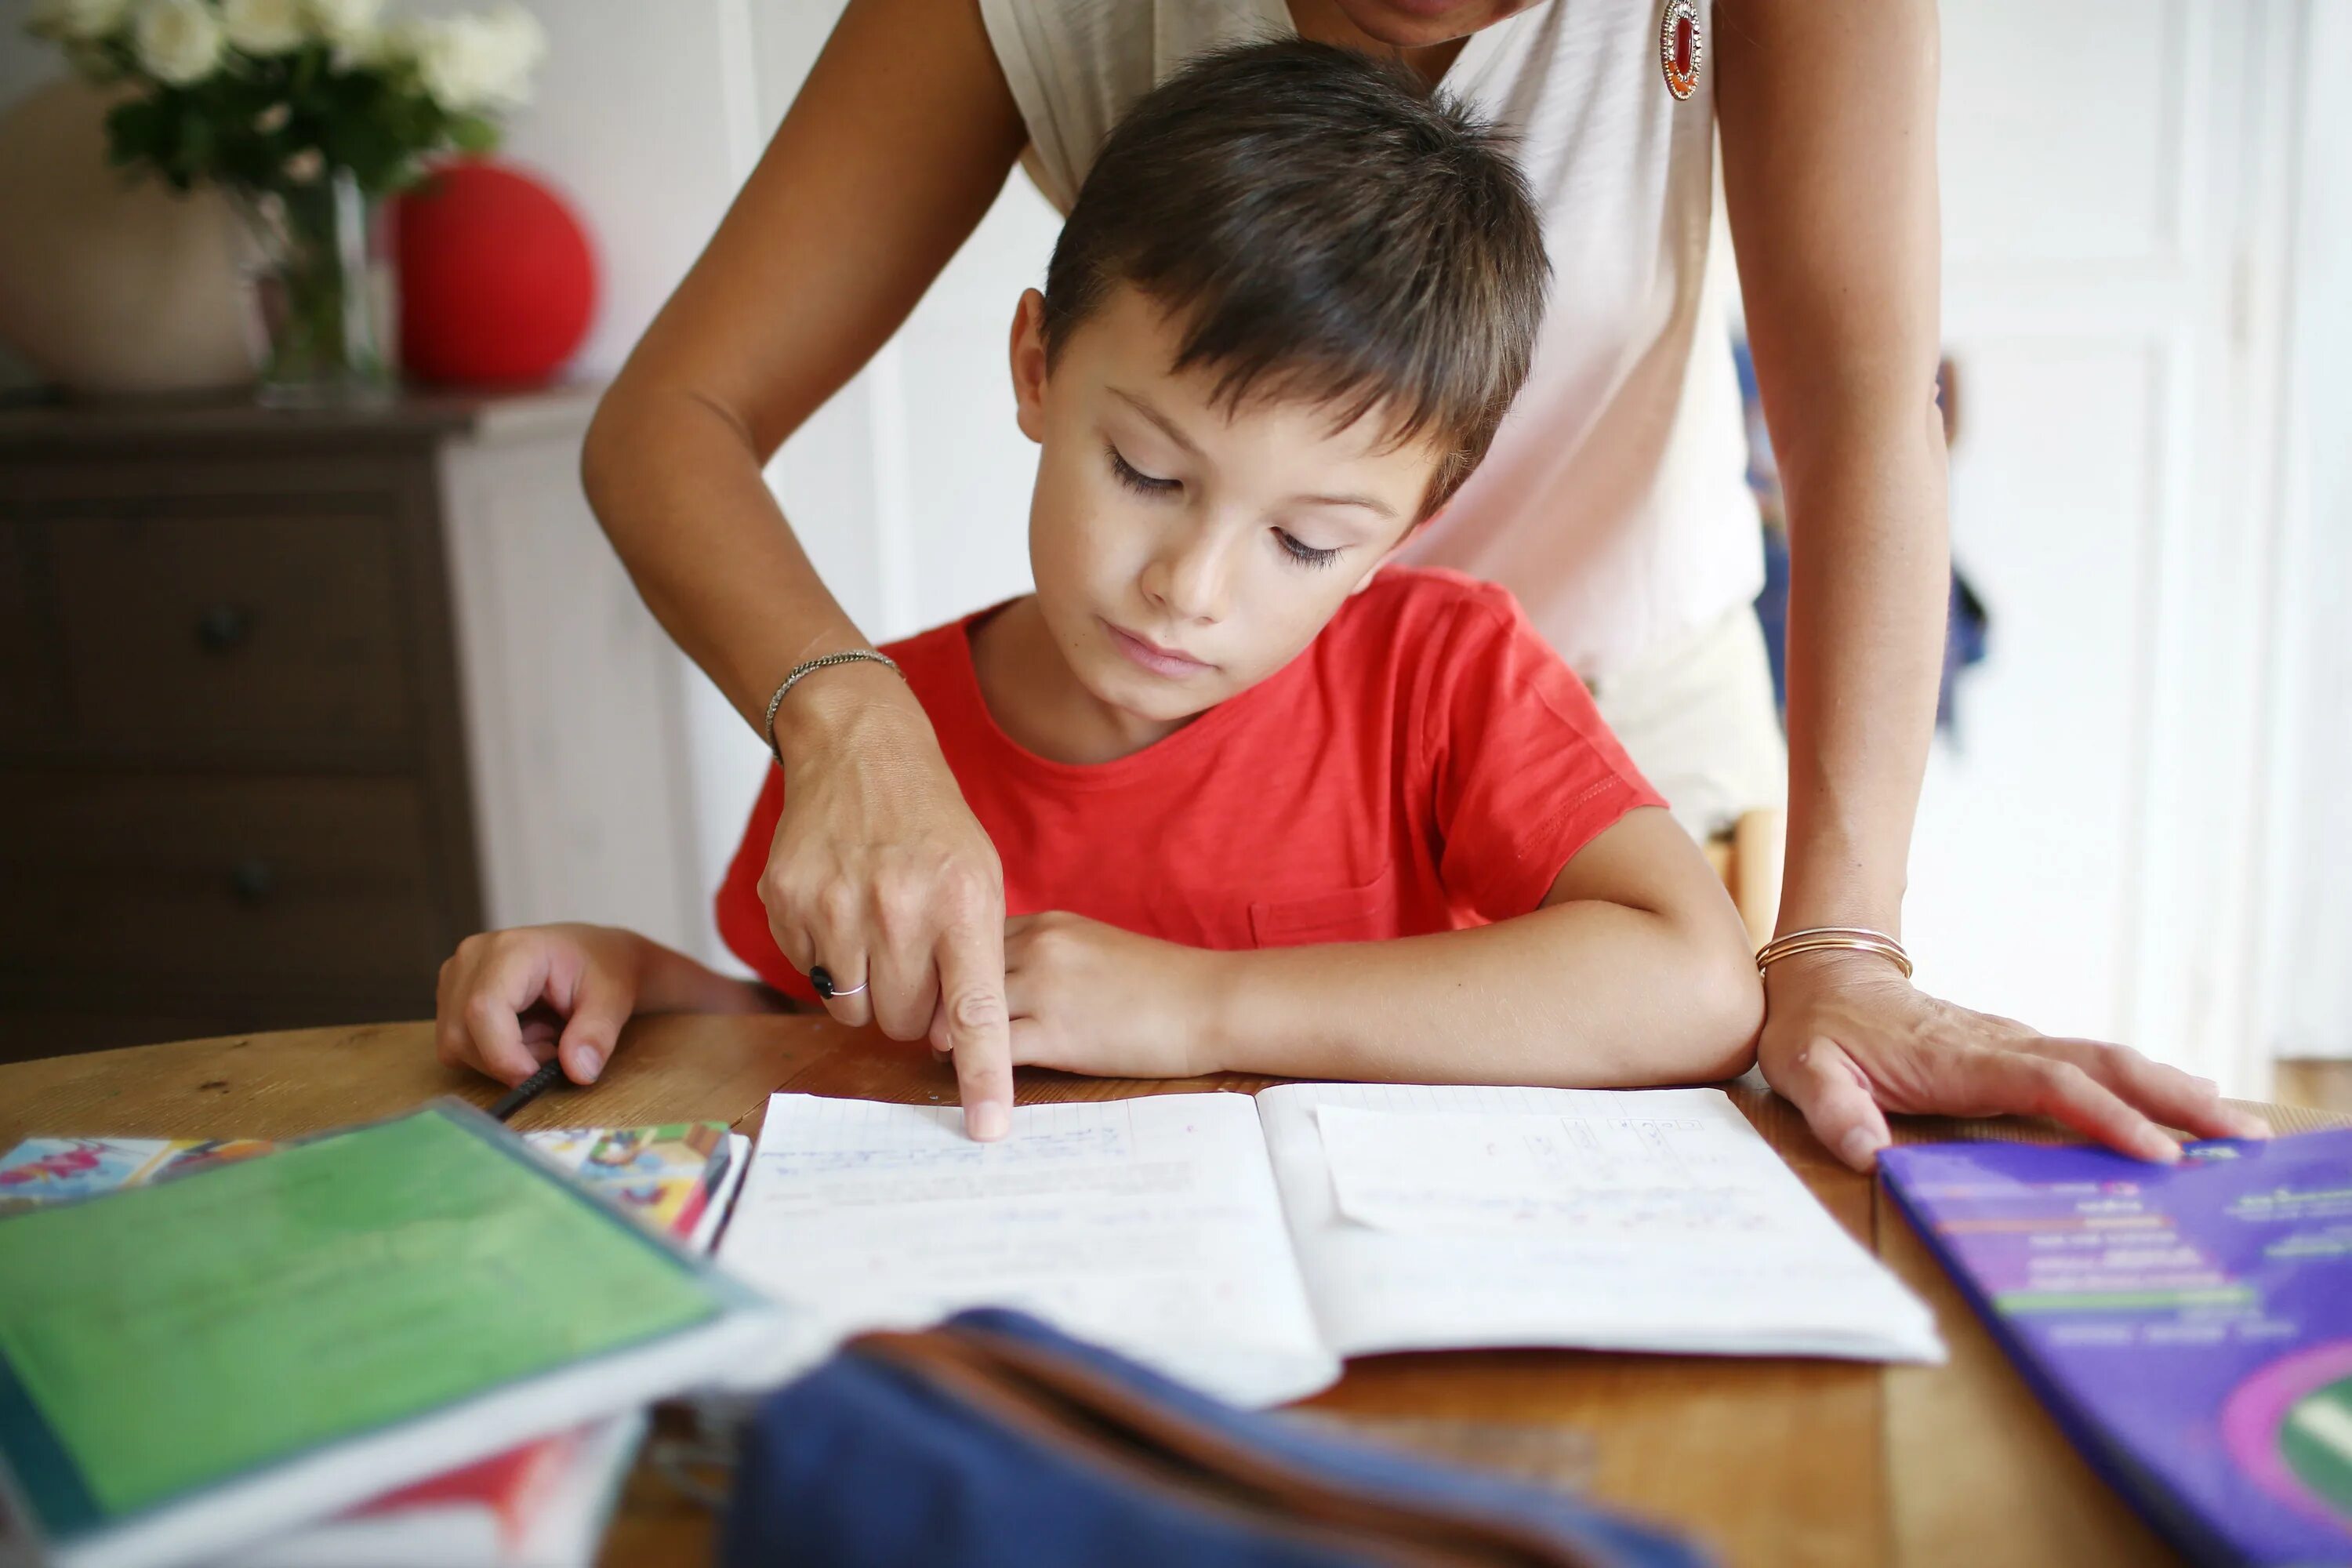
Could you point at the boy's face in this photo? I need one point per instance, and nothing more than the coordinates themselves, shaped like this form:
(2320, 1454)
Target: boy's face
(1183, 553)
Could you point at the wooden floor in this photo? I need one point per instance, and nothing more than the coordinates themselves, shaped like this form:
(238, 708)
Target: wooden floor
(2324, 1084)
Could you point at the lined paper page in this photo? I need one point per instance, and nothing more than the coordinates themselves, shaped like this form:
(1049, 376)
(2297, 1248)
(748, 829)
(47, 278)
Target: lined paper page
(1150, 1226)
(1434, 1217)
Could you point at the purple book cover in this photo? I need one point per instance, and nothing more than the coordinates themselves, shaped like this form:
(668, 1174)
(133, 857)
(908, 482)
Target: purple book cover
(2191, 1327)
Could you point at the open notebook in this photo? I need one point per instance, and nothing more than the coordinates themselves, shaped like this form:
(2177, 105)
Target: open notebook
(1247, 1242)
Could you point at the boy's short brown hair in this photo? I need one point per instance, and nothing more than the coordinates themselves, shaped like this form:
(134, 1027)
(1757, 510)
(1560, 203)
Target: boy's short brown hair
(1330, 229)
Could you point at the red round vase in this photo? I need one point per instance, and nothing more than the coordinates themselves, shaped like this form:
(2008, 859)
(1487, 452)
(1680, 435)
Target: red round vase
(497, 280)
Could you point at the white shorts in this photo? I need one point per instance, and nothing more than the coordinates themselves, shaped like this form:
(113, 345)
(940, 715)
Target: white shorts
(1697, 715)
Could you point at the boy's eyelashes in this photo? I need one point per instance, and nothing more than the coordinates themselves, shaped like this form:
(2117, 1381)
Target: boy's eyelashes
(1136, 479)
(1305, 555)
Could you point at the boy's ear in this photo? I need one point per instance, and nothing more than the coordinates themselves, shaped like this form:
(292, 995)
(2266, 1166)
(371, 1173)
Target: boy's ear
(1029, 363)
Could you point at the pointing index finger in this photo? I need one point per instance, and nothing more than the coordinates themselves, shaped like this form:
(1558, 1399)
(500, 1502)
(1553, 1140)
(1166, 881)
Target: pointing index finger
(972, 997)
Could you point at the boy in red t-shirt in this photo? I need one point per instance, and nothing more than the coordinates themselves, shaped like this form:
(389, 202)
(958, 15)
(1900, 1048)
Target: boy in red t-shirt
(1262, 803)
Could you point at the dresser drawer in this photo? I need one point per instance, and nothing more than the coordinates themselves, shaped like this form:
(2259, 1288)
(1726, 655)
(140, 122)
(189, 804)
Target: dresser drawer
(219, 884)
(228, 627)
(30, 691)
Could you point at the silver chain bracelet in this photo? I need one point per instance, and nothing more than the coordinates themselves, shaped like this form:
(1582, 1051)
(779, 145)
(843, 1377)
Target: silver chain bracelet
(826, 661)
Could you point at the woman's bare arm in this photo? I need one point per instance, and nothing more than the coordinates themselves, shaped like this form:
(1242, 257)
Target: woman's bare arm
(897, 143)
(1828, 151)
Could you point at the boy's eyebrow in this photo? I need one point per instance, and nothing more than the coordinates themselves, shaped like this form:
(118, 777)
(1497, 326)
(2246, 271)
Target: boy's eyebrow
(1369, 503)
(1168, 428)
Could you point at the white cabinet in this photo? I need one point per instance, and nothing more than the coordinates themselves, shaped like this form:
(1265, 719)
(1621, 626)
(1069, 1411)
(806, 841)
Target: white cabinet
(574, 697)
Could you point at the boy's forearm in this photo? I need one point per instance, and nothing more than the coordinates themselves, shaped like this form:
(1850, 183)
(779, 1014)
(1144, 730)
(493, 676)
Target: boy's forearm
(1585, 993)
(670, 982)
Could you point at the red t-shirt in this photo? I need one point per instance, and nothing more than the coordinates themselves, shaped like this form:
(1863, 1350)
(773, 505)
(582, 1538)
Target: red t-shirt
(1427, 764)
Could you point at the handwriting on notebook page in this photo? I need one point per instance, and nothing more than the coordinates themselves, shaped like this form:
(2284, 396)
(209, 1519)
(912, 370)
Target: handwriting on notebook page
(1436, 1216)
(1150, 1225)
(920, 1154)
(1561, 1173)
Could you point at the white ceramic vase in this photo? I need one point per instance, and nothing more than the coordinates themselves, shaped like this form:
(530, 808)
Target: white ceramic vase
(111, 285)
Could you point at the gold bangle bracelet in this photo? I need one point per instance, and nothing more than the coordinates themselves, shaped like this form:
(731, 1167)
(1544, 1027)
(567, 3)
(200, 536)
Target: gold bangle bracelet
(1830, 939)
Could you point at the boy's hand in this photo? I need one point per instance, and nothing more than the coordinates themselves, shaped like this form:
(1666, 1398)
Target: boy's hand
(508, 1000)
(1847, 1038)
(1091, 998)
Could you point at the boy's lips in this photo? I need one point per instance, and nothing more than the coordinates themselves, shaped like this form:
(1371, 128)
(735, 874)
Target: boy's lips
(1150, 655)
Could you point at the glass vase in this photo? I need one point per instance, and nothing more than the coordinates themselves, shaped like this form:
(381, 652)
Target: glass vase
(320, 293)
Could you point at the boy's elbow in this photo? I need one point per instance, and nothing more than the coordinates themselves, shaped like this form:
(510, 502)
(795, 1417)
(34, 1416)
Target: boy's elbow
(1738, 1021)
(1725, 1010)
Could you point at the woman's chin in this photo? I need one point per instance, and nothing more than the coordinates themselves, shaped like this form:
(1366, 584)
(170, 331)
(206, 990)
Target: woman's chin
(1418, 24)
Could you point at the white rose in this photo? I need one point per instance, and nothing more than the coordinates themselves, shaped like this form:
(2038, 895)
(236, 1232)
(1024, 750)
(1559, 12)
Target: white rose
(179, 41)
(470, 64)
(76, 21)
(446, 60)
(372, 47)
(518, 44)
(262, 27)
(343, 23)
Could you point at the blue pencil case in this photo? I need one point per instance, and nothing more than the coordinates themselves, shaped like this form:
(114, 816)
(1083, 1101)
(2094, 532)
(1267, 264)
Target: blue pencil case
(995, 1440)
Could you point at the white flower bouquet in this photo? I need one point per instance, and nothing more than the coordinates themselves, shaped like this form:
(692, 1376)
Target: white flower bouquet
(267, 94)
(306, 114)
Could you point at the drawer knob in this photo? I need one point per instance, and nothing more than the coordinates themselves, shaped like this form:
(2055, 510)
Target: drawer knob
(224, 628)
(253, 880)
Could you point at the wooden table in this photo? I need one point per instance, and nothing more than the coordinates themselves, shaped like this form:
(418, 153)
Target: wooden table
(1819, 1464)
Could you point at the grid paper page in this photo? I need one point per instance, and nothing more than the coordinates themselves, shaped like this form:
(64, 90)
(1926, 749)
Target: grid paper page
(1433, 1217)
(1150, 1226)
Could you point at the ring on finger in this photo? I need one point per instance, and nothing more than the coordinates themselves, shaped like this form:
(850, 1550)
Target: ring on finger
(822, 979)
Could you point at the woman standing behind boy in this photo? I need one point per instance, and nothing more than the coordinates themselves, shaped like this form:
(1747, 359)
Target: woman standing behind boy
(1613, 508)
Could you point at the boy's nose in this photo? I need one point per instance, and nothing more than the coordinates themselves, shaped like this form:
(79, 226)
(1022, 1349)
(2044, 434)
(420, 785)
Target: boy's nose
(1188, 578)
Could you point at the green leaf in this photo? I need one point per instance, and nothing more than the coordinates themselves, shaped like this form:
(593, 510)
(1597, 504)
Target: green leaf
(132, 132)
(472, 133)
(198, 143)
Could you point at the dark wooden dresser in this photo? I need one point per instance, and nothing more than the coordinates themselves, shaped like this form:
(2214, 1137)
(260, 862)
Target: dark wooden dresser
(234, 781)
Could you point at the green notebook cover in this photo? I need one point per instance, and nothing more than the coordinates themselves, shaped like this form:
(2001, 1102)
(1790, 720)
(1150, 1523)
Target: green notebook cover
(165, 1340)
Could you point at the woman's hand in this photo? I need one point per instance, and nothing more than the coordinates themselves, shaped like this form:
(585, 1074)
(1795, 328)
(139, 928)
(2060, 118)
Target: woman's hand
(508, 1000)
(1847, 1039)
(879, 872)
(1091, 998)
